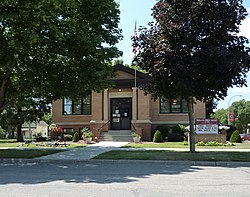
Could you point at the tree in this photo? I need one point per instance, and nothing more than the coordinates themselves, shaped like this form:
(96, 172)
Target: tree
(241, 111)
(221, 115)
(52, 45)
(192, 50)
(24, 110)
(210, 106)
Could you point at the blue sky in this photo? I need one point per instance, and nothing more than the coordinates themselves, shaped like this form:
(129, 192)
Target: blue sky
(140, 11)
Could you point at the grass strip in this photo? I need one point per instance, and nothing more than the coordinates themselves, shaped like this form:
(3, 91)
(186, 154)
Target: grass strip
(175, 156)
(182, 145)
(39, 145)
(26, 153)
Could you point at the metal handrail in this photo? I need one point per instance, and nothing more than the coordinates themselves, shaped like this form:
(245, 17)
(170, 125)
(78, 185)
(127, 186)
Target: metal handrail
(103, 125)
(133, 126)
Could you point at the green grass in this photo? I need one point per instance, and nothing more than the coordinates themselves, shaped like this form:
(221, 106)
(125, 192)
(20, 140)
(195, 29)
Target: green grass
(157, 145)
(175, 156)
(14, 144)
(26, 153)
(181, 145)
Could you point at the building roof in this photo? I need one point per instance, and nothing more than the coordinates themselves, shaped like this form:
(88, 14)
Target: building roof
(141, 78)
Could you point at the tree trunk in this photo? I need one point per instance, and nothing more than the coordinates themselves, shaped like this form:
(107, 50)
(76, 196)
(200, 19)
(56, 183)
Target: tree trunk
(19, 125)
(3, 89)
(191, 123)
(19, 133)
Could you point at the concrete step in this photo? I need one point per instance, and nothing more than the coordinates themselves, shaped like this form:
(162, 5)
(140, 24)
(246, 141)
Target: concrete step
(117, 135)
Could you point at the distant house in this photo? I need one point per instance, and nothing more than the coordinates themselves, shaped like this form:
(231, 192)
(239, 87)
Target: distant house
(30, 130)
(124, 107)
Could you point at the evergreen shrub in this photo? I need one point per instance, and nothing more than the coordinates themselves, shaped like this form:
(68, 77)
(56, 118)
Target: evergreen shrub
(157, 137)
(76, 137)
(67, 137)
(235, 137)
(3, 133)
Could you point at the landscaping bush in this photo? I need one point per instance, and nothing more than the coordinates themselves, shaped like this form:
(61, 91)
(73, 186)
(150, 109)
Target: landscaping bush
(76, 137)
(201, 143)
(178, 129)
(3, 133)
(67, 137)
(164, 129)
(235, 137)
(210, 143)
(214, 143)
(171, 132)
(175, 137)
(157, 137)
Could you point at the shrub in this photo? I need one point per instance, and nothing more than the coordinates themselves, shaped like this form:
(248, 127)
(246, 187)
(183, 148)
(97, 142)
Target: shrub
(178, 129)
(214, 143)
(3, 133)
(164, 129)
(167, 131)
(67, 137)
(76, 137)
(175, 137)
(157, 137)
(201, 143)
(235, 137)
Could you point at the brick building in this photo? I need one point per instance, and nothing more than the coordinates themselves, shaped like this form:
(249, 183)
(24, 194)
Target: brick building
(124, 107)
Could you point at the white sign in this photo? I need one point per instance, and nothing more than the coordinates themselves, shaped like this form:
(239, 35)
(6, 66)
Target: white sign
(206, 126)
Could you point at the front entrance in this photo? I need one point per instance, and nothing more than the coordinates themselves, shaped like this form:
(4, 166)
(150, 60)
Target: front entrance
(121, 113)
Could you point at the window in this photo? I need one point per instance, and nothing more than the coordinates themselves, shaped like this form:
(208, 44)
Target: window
(173, 106)
(77, 106)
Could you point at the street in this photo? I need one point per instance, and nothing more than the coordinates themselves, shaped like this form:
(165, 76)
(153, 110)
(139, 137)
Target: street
(120, 179)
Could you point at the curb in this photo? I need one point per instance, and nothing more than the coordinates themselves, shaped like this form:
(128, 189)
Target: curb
(182, 163)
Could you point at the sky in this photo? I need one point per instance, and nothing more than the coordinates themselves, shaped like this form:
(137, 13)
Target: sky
(140, 11)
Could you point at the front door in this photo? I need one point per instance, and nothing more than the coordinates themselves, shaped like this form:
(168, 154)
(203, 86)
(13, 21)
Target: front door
(121, 113)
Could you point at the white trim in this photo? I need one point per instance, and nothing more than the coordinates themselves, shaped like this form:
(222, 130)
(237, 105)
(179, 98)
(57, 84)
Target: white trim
(170, 122)
(120, 94)
(73, 123)
(142, 121)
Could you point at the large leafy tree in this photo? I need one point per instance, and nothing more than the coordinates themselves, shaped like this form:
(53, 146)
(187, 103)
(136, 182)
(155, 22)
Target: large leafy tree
(25, 110)
(55, 48)
(241, 111)
(221, 115)
(192, 50)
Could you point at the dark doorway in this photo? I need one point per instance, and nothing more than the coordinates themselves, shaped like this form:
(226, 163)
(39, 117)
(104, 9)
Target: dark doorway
(121, 113)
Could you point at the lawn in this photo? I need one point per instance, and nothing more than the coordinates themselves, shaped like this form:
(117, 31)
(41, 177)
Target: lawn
(245, 145)
(14, 144)
(26, 153)
(175, 156)
(12, 149)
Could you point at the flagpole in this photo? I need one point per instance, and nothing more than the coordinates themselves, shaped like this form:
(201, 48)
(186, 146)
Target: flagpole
(135, 88)
(134, 48)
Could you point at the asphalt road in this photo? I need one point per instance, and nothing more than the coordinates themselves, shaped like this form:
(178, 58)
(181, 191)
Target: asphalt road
(120, 179)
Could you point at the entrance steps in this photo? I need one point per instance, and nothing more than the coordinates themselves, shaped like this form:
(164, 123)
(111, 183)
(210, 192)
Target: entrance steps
(116, 136)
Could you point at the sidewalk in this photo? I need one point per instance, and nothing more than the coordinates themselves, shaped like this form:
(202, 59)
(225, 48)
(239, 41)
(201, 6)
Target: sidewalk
(87, 153)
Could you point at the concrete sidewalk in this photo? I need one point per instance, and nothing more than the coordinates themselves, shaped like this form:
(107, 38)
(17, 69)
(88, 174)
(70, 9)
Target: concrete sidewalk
(89, 152)
(86, 153)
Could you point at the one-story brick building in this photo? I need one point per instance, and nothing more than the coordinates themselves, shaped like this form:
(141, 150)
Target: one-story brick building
(124, 107)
